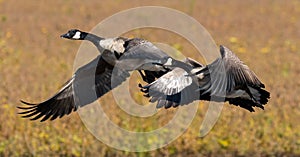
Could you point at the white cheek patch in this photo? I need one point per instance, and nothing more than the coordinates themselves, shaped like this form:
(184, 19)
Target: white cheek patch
(169, 61)
(77, 35)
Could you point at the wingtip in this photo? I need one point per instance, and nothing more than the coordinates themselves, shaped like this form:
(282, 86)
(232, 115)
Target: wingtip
(25, 108)
(42, 120)
(27, 111)
(140, 85)
(224, 50)
(27, 103)
(29, 107)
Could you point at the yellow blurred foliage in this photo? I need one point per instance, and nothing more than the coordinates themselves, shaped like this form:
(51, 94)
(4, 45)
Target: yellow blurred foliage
(233, 40)
(265, 50)
(241, 50)
(223, 143)
(44, 30)
(8, 34)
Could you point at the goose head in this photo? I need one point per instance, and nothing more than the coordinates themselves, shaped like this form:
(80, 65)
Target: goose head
(74, 34)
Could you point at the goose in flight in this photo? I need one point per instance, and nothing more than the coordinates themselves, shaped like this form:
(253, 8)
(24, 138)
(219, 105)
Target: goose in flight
(117, 57)
(225, 79)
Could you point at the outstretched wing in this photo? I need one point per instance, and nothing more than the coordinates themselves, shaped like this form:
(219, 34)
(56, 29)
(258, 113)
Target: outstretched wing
(172, 89)
(171, 83)
(222, 80)
(184, 97)
(226, 74)
(87, 84)
(174, 81)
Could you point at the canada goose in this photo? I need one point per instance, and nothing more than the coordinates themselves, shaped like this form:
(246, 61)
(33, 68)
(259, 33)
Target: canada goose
(130, 54)
(239, 86)
(93, 80)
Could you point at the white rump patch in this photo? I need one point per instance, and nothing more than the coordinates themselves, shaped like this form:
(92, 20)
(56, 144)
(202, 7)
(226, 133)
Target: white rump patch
(77, 35)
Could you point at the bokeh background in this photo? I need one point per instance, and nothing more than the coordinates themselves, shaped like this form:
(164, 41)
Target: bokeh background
(35, 62)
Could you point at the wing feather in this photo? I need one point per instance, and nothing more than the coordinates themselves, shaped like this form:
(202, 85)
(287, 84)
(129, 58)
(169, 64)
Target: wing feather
(69, 98)
(230, 72)
(171, 83)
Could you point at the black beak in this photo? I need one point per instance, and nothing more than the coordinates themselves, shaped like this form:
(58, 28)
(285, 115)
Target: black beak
(67, 35)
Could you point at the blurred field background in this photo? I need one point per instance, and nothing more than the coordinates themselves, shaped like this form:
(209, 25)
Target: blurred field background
(35, 62)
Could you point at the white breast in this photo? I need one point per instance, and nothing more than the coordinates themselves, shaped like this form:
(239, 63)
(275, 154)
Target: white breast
(113, 44)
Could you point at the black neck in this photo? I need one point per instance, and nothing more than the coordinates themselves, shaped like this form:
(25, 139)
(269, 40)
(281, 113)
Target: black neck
(91, 37)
